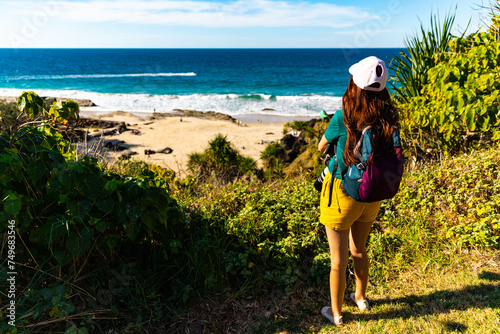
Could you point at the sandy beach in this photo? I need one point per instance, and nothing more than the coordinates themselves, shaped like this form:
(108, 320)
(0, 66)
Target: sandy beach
(181, 135)
(187, 135)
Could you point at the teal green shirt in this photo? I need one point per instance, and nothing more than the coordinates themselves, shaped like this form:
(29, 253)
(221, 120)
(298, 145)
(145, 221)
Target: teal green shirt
(337, 131)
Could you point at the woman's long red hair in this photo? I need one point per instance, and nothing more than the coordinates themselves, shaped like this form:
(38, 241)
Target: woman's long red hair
(362, 108)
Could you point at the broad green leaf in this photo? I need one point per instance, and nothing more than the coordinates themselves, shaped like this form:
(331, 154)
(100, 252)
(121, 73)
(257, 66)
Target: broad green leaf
(441, 117)
(72, 330)
(88, 185)
(78, 244)
(21, 102)
(66, 177)
(50, 232)
(460, 101)
(87, 234)
(111, 185)
(63, 198)
(101, 226)
(74, 243)
(149, 218)
(62, 255)
(455, 74)
(111, 241)
(132, 230)
(484, 123)
(80, 208)
(471, 119)
(106, 205)
(30, 103)
(5, 178)
(64, 111)
(36, 170)
(133, 211)
(12, 204)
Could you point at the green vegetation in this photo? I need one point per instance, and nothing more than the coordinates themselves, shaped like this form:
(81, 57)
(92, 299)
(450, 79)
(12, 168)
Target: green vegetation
(131, 248)
(273, 153)
(8, 116)
(411, 68)
(220, 162)
(434, 252)
(458, 108)
(448, 90)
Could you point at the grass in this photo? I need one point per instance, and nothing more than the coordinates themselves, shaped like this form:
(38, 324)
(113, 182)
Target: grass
(461, 297)
(422, 279)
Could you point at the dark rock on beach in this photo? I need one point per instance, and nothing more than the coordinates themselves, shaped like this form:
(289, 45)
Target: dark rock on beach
(81, 102)
(166, 150)
(101, 124)
(125, 155)
(115, 145)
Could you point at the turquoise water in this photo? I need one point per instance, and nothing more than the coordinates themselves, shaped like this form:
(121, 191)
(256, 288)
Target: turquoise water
(232, 81)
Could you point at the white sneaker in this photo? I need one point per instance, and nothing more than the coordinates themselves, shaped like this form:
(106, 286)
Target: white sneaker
(362, 304)
(327, 313)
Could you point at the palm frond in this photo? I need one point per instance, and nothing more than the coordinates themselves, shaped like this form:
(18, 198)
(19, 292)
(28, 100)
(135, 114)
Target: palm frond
(410, 67)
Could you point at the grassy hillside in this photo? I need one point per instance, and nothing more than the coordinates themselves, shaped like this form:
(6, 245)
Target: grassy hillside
(130, 248)
(434, 250)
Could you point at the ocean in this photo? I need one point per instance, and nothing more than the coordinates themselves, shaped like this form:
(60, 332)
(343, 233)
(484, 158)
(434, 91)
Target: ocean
(282, 82)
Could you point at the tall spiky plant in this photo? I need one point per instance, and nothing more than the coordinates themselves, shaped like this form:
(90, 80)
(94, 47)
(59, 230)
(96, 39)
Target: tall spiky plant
(495, 20)
(411, 67)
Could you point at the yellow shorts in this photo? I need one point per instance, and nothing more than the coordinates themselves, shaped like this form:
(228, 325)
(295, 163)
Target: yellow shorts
(344, 210)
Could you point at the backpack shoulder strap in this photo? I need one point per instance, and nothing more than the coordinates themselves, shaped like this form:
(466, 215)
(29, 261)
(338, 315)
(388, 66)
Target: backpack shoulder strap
(396, 137)
(357, 149)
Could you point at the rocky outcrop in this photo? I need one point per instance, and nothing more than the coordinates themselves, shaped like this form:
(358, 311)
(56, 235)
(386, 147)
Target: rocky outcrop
(101, 124)
(115, 145)
(81, 102)
(49, 100)
(212, 115)
(293, 146)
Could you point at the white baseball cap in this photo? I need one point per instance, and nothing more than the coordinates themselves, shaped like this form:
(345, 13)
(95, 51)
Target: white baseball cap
(368, 72)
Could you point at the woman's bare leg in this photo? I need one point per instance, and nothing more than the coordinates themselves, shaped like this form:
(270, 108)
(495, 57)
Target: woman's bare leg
(339, 252)
(359, 234)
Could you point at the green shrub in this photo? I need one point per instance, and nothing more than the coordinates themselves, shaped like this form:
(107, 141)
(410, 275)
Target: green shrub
(273, 152)
(459, 199)
(274, 230)
(9, 117)
(67, 211)
(458, 108)
(220, 161)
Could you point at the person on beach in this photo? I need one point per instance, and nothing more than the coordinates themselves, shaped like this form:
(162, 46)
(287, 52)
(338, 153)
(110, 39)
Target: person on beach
(348, 222)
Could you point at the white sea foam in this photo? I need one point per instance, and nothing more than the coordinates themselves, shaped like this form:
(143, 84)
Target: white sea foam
(95, 76)
(231, 104)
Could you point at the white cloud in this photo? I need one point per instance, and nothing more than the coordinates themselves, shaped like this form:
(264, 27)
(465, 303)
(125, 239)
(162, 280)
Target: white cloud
(242, 13)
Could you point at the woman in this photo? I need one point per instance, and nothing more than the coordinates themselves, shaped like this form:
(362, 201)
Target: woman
(348, 222)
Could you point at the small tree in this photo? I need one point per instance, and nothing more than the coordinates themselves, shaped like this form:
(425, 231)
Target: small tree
(221, 161)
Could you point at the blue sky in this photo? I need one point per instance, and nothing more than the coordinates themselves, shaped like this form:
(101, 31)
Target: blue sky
(222, 23)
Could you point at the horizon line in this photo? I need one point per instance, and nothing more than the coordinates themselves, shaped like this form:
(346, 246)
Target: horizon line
(200, 48)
